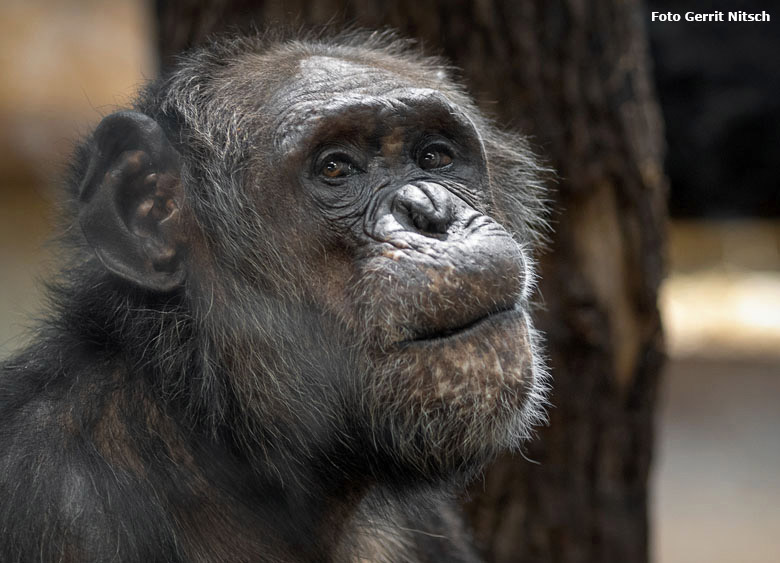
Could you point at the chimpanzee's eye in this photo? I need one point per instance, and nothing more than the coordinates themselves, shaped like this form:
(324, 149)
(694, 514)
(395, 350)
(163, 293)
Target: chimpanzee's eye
(434, 157)
(337, 166)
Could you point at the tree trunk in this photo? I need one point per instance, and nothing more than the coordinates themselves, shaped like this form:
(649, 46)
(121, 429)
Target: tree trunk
(574, 76)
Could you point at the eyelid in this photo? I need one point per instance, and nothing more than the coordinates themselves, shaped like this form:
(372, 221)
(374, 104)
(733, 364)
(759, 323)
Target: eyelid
(338, 151)
(435, 142)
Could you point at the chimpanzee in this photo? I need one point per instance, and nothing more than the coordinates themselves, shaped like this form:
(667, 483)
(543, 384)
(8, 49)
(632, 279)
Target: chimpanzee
(294, 320)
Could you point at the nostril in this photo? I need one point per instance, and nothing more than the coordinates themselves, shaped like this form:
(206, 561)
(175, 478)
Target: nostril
(426, 208)
(427, 225)
(423, 216)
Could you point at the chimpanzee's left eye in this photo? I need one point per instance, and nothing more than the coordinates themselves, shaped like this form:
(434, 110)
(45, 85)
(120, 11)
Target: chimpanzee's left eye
(434, 157)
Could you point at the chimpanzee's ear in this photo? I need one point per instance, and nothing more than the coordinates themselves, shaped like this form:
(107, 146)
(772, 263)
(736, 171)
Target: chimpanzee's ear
(130, 201)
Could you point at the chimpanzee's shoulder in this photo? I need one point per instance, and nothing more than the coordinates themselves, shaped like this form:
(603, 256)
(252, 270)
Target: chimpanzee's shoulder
(72, 482)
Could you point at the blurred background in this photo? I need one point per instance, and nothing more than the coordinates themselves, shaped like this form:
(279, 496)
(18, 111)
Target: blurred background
(716, 484)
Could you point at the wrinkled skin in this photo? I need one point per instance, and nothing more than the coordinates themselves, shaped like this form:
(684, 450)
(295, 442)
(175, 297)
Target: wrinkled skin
(300, 303)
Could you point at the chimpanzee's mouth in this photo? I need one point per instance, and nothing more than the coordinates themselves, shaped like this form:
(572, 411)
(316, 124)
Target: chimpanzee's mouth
(466, 329)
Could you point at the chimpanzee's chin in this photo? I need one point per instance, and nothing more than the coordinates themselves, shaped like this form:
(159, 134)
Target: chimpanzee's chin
(452, 403)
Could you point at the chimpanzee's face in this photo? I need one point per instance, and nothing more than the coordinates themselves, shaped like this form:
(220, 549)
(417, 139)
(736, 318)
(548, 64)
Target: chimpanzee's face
(391, 200)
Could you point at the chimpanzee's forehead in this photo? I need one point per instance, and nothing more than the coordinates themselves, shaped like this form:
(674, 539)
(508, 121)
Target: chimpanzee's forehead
(336, 74)
(325, 86)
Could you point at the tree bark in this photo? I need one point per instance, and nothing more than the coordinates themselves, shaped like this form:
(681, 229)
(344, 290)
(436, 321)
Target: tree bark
(574, 76)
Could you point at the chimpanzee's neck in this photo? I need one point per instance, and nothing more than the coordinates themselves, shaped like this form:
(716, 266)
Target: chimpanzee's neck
(298, 495)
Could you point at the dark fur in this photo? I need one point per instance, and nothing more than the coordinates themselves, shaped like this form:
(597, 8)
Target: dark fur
(236, 410)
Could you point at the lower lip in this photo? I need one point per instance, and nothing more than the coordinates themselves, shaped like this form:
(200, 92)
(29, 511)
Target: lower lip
(488, 320)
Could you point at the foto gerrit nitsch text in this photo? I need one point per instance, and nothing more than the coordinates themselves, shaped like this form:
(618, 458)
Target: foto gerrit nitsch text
(738, 16)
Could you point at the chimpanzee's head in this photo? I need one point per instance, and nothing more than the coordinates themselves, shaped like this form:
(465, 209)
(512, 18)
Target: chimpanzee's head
(349, 240)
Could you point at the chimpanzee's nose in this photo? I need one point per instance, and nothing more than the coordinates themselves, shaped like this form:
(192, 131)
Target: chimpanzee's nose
(424, 207)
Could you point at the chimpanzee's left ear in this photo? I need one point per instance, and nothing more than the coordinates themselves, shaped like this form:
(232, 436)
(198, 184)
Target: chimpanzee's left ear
(130, 201)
